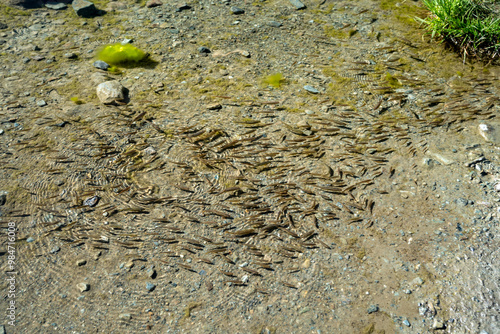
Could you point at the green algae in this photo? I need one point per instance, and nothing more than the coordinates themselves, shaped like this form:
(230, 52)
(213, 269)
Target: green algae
(118, 54)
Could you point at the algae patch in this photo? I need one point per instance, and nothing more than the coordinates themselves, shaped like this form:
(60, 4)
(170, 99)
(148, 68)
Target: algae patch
(118, 54)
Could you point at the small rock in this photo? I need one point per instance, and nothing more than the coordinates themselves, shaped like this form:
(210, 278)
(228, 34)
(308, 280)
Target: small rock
(110, 92)
(237, 10)
(182, 7)
(30, 239)
(55, 249)
(244, 53)
(489, 132)
(154, 3)
(150, 287)
(125, 316)
(41, 103)
(372, 309)
(3, 197)
(306, 264)
(3, 26)
(99, 78)
(56, 5)
(149, 151)
(438, 324)
(2, 329)
(417, 282)
(151, 273)
(83, 287)
(299, 5)
(462, 201)
(129, 265)
(203, 49)
(406, 323)
(81, 262)
(84, 8)
(275, 24)
(126, 41)
(102, 65)
(70, 55)
(311, 89)
(214, 106)
(91, 201)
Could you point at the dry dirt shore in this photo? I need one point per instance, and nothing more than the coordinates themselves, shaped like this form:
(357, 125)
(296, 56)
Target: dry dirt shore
(272, 170)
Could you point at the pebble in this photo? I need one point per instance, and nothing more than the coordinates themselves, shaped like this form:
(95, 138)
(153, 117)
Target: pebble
(102, 65)
(70, 55)
(214, 106)
(84, 8)
(99, 78)
(438, 324)
(306, 264)
(110, 92)
(237, 10)
(406, 323)
(417, 281)
(41, 103)
(91, 201)
(489, 132)
(275, 24)
(203, 49)
(151, 273)
(182, 7)
(299, 5)
(56, 5)
(462, 201)
(372, 309)
(311, 89)
(153, 3)
(83, 287)
(81, 262)
(150, 287)
(125, 316)
(55, 249)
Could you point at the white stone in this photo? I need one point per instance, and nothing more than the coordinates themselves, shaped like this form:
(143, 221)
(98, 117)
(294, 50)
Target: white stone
(110, 92)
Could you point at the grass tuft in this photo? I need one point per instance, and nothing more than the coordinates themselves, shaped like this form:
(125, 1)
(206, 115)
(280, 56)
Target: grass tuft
(470, 26)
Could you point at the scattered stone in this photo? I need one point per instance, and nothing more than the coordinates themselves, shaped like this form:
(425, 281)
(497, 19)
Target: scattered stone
(91, 201)
(83, 287)
(417, 281)
(126, 41)
(154, 3)
(3, 26)
(150, 287)
(129, 265)
(214, 106)
(110, 92)
(244, 53)
(489, 132)
(438, 324)
(372, 309)
(151, 273)
(203, 49)
(70, 55)
(182, 7)
(299, 5)
(149, 151)
(2, 329)
(55, 249)
(306, 264)
(237, 10)
(102, 65)
(81, 262)
(406, 323)
(462, 201)
(56, 5)
(84, 8)
(41, 103)
(275, 24)
(99, 78)
(441, 158)
(3, 197)
(125, 316)
(30, 239)
(311, 89)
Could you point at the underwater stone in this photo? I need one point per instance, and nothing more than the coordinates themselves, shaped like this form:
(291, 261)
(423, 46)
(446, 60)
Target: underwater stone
(237, 10)
(84, 8)
(110, 92)
(56, 5)
(299, 5)
(311, 89)
(102, 65)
